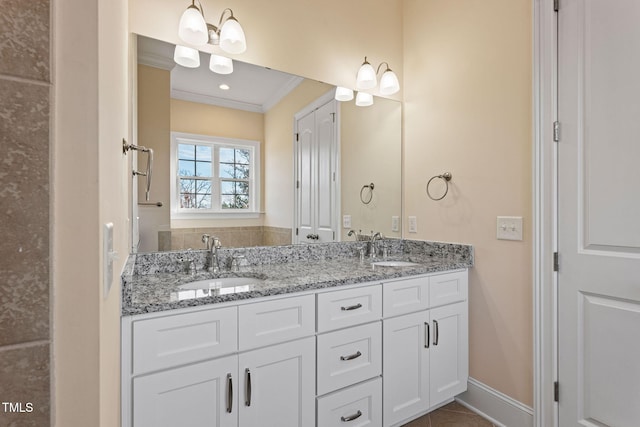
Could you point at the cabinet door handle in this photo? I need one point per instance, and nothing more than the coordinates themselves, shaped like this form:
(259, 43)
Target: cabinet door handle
(229, 393)
(351, 417)
(247, 374)
(436, 333)
(351, 356)
(351, 307)
(427, 334)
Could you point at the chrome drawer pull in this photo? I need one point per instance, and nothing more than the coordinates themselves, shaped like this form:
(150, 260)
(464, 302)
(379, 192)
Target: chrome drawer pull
(351, 417)
(351, 356)
(427, 337)
(229, 393)
(436, 333)
(352, 307)
(247, 401)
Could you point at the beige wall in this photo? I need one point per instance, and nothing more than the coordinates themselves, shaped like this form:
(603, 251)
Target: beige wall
(203, 119)
(153, 119)
(278, 153)
(468, 111)
(90, 188)
(371, 152)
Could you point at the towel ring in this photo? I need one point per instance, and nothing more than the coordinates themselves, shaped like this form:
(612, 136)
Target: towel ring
(446, 177)
(362, 197)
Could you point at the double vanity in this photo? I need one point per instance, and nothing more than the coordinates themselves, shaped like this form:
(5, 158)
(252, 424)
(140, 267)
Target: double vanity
(296, 336)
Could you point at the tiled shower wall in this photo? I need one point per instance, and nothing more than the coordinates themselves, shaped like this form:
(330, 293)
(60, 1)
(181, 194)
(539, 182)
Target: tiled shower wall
(25, 87)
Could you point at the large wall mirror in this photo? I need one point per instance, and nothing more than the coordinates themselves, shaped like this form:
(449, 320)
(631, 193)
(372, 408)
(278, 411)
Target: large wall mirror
(321, 167)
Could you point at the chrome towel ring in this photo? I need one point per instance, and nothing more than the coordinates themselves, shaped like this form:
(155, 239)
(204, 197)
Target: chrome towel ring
(446, 177)
(363, 196)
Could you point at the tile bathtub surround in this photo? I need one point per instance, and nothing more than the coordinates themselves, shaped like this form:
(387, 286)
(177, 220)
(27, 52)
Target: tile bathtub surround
(25, 380)
(231, 237)
(25, 46)
(24, 39)
(24, 221)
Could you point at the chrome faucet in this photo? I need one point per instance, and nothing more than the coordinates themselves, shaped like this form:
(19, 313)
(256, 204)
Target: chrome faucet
(373, 250)
(213, 244)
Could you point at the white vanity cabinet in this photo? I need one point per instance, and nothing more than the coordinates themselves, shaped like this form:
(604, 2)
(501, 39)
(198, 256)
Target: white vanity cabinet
(371, 354)
(425, 350)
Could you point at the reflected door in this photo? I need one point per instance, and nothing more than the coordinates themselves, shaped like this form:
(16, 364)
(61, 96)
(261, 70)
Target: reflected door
(317, 190)
(599, 213)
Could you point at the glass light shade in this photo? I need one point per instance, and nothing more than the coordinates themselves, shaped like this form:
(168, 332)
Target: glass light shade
(364, 99)
(232, 38)
(389, 83)
(343, 94)
(192, 28)
(186, 56)
(220, 64)
(366, 78)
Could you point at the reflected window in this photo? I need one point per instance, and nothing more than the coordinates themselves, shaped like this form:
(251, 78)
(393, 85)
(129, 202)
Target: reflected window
(214, 176)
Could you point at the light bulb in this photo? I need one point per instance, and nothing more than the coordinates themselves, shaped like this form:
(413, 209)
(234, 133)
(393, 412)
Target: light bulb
(232, 38)
(220, 64)
(343, 94)
(186, 56)
(192, 28)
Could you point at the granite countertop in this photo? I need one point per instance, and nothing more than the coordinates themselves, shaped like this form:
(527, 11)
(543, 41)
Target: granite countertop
(151, 282)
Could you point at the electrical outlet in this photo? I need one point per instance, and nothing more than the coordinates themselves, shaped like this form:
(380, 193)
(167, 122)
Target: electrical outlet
(395, 223)
(413, 224)
(346, 221)
(509, 228)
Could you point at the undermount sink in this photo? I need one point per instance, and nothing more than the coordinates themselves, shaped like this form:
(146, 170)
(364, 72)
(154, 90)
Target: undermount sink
(394, 264)
(222, 282)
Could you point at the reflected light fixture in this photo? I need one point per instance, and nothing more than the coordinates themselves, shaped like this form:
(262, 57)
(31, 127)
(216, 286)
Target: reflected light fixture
(343, 94)
(220, 64)
(193, 29)
(364, 99)
(186, 56)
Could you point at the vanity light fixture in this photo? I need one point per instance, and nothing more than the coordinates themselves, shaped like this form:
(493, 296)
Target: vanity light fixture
(193, 29)
(367, 78)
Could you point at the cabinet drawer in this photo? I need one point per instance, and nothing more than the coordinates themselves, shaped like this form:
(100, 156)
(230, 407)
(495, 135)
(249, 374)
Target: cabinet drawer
(175, 340)
(349, 307)
(349, 356)
(405, 296)
(272, 322)
(448, 288)
(362, 404)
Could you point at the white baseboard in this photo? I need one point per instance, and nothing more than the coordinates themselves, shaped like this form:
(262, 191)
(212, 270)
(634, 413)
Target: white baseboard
(497, 407)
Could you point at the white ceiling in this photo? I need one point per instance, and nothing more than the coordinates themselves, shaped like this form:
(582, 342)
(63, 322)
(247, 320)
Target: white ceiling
(252, 88)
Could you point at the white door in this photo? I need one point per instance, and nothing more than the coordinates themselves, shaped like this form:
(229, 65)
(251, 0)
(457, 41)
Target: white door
(449, 352)
(203, 394)
(405, 366)
(599, 213)
(278, 386)
(316, 175)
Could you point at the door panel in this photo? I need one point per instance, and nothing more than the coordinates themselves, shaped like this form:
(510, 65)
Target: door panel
(598, 211)
(306, 170)
(326, 225)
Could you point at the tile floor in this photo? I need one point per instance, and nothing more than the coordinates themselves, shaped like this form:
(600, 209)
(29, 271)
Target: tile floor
(453, 414)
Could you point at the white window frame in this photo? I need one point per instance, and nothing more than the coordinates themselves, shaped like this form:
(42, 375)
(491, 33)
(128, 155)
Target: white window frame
(254, 183)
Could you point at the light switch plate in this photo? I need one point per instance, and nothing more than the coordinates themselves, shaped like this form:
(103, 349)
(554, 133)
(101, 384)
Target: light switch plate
(509, 228)
(108, 255)
(346, 221)
(395, 223)
(413, 224)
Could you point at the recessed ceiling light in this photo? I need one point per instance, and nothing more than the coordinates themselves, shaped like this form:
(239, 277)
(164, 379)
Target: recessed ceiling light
(224, 86)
